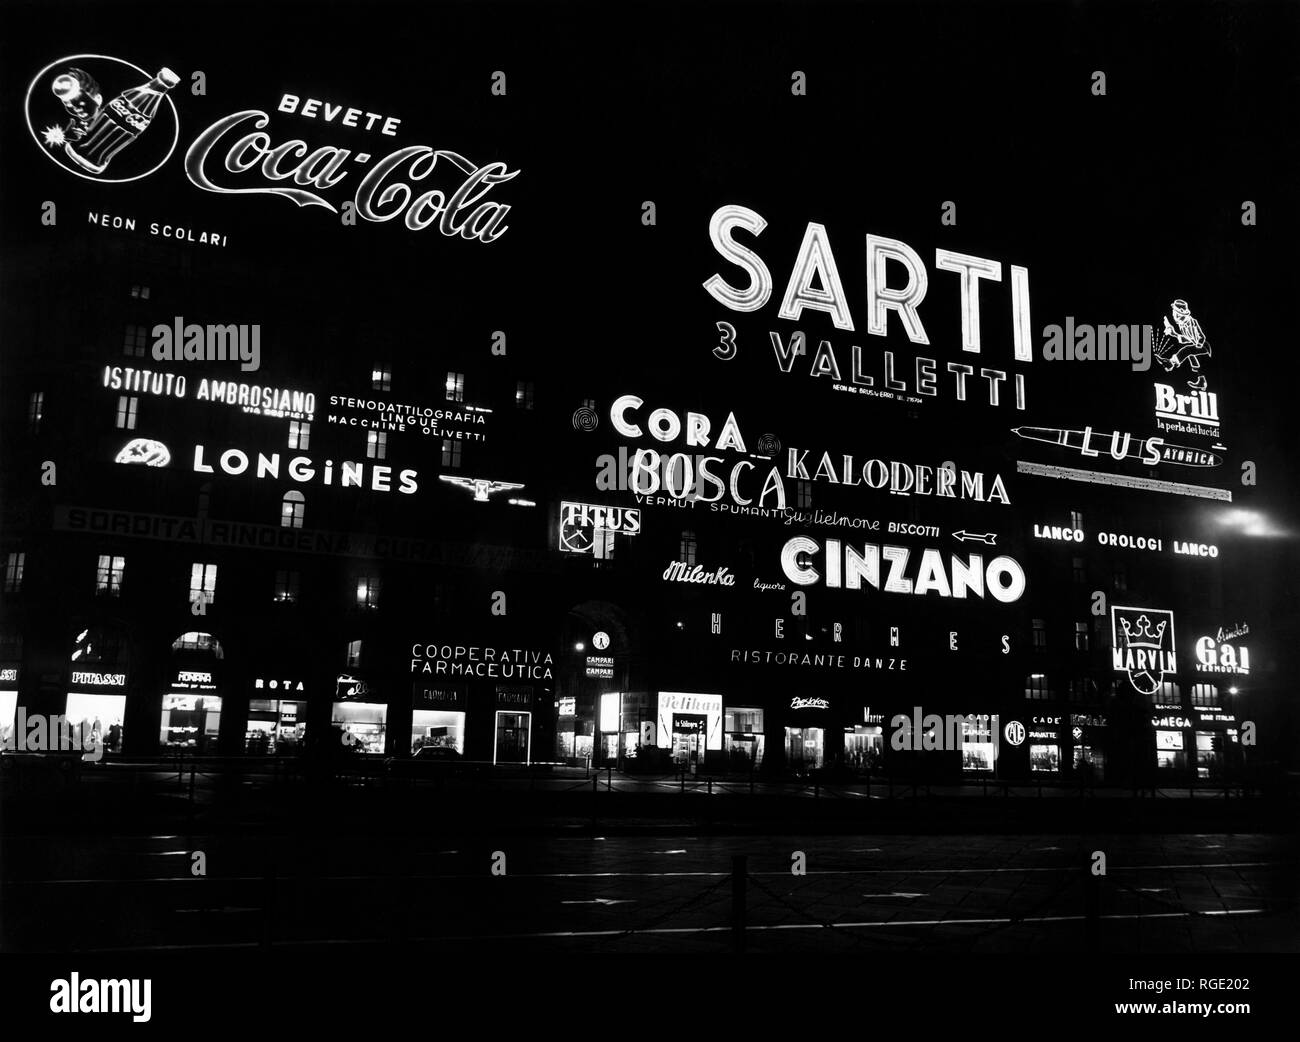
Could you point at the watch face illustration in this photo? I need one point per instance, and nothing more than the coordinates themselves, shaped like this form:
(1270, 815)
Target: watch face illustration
(102, 118)
(577, 538)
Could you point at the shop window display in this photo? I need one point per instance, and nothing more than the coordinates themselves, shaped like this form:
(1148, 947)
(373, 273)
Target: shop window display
(1045, 758)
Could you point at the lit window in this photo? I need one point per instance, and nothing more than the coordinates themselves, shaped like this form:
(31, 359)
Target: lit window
(1076, 519)
(1205, 695)
(376, 445)
(126, 409)
(455, 387)
(135, 340)
(203, 583)
(354, 654)
(11, 644)
(1079, 569)
(193, 640)
(292, 509)
(803, 493)
(299, 435)
(382, 379)
(139, 292)
(14, 564)
(108, 578)
(451, 452)
(524, 394)
(1120, 578)
(686, 552)
(35, 410)
(1082, 637)
(286, 586)
(1036, 686)
(1168, 693)
(1040, 634)
(368, 591)
(602, 543)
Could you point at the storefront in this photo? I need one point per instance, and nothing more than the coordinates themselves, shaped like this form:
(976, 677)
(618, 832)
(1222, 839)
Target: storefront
(361, 714)
(806, 730)
(1217, 743)
(1173, 739)
(626, 723)
(566, 722)
(1088, 736)
(277, 717)
(689, 726)
(514, 724)
(743, 738)
(609, 712)
(1044, 739)
(8, 704)
(864, 742)
(191, 712)
(979, 747)
(97, 705)
(438, 712)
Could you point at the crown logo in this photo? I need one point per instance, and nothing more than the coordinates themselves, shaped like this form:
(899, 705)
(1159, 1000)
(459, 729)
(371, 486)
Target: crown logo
(1142, 636)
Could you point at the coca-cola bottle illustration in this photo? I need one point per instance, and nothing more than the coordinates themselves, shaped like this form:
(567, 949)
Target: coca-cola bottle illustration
(79, 93)
(120, 122)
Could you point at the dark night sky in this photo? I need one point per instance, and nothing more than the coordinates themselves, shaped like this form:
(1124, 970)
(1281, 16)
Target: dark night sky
(1116, 204)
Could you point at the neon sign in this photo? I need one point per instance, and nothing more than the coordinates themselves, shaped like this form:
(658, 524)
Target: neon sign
(1218, 656)
(1002, 577)
(301, 469)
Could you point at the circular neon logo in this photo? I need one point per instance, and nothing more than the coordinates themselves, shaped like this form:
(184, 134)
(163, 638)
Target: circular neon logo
(103, 118)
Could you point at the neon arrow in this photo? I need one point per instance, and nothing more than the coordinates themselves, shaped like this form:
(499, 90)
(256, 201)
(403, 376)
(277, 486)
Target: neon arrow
(991, 538)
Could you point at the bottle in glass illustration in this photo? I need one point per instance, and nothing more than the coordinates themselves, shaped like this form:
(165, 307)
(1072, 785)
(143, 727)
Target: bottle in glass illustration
(120, 122)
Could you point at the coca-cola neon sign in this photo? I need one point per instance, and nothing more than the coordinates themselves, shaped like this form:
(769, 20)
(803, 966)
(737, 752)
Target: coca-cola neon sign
(239, 144)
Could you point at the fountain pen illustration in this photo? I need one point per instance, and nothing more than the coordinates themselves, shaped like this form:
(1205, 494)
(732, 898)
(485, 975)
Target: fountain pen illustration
(1120, 446)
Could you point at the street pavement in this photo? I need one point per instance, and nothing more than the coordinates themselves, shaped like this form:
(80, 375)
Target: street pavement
(674, 893)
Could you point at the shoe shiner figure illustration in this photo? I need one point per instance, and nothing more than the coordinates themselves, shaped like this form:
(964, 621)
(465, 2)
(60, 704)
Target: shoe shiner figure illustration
(1183, 341)
(81, 97)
